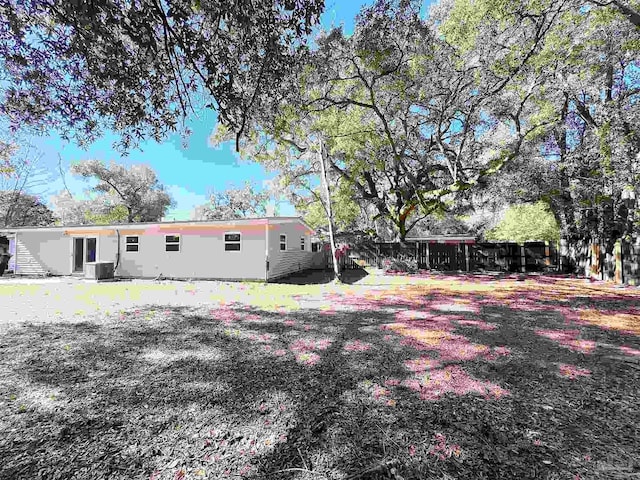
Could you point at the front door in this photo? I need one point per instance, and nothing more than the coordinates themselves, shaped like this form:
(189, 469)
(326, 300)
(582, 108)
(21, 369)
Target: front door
(84, 250)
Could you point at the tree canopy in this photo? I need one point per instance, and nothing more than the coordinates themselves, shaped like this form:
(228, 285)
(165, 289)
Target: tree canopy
(410, 122)
(233, 203)
(19, 209)
(347, 212)
(121, 194)
(588, 156)
(140, 68)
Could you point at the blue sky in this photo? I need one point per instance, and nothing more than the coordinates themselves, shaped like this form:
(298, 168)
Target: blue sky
(187, 173)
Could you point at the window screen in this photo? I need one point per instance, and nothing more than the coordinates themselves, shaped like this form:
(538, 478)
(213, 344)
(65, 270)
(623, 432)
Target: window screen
(172, 243)
(132, 244)
(232, 242)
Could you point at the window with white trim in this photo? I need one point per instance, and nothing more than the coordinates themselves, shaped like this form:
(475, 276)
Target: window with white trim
(302, 243)
(172, 243)
(232, 241)
(283, 242)
(132, 243)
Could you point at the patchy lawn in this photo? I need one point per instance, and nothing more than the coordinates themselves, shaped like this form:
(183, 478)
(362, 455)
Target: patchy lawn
(440, 377)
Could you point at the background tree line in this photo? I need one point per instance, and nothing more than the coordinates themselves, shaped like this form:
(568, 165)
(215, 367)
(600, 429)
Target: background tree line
(411, 124)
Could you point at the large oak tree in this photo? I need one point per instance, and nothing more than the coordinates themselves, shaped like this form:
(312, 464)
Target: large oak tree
(586, 159)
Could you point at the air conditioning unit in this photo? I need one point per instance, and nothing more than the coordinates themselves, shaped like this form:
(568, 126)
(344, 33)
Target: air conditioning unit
(99, 270)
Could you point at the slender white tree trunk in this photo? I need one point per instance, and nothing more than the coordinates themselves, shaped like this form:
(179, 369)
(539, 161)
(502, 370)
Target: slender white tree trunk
(325, 182)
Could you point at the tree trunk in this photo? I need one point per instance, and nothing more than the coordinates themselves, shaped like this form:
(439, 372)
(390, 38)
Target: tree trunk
(563, 204)
(402, 229)
(325, 182)
(563, 212)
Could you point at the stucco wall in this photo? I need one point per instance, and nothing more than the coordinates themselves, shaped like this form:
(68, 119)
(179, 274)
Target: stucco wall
(202, 253)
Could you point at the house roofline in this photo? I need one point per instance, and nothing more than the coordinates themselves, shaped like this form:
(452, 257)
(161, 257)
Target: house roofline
(134, 225)
(313, 231)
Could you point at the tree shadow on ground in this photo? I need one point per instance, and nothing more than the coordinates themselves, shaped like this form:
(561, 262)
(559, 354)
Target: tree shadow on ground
(237, 390)
(314, 277)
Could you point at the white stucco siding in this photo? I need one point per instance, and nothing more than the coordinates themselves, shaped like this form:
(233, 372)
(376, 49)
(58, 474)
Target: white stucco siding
(108, 248)
(201, 252)
(293, 259)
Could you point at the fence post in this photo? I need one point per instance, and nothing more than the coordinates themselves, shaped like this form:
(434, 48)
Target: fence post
(563, 254)
(428, 259)
(466, 256)
(547, 254)
(617, 252)
(634, 249)
(602, 261)
(596, 261)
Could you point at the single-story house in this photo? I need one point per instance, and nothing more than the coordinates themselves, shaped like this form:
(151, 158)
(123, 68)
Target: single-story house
(246, 249)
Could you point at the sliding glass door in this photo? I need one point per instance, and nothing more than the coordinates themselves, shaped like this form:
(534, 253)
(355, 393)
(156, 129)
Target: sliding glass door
(91, 249)
(84, 250)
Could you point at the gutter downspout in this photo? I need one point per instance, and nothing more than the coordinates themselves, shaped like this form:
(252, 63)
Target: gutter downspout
(117, 254)
(266, 254)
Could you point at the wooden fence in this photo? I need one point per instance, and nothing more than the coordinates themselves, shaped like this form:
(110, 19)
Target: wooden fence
(345, 262)
(618, 262)
(324, 260)
(461, 255)
(621, 265)
(513, 257)
(629, 263)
